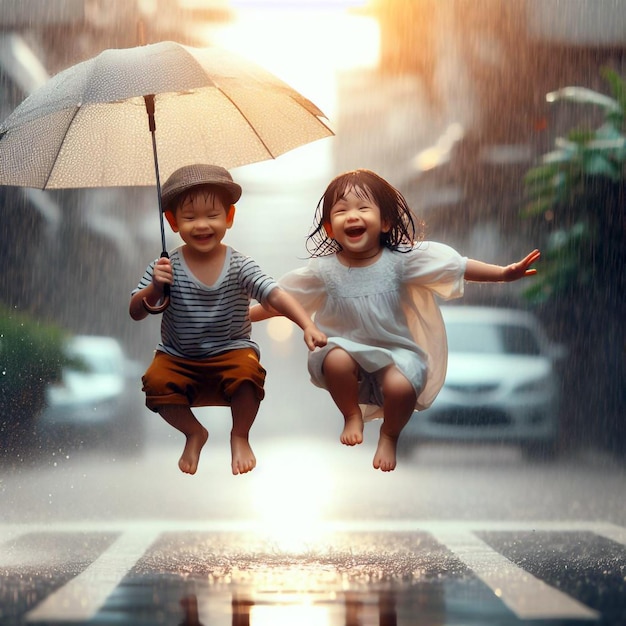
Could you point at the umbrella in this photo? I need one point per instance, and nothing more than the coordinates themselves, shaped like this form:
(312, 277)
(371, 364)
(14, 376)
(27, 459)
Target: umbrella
(88, 125)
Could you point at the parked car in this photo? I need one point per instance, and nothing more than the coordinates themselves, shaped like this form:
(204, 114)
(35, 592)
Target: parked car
(502, 383)
(98, 400)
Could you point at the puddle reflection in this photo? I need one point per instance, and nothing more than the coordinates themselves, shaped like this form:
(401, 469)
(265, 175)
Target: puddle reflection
(414, 604)
(338, 579)
(189, 605)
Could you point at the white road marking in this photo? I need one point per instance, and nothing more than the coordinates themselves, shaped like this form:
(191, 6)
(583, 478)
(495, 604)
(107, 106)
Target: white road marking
(614, 533)
(527, 596)
(81, 598)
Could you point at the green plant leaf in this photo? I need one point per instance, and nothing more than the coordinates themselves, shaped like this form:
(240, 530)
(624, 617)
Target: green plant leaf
(582, 95)
(618, 86)
(538, 207)
(595, 163)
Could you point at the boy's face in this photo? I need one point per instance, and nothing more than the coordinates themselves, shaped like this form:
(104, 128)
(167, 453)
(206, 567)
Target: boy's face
(202, 220)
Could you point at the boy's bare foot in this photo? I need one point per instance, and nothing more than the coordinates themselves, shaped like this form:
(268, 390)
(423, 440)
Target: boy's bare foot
(352, 433)
(385, 457)
(243, 459)
(188, 462)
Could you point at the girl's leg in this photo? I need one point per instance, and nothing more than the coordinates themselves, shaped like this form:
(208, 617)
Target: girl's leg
(182, 419)
(341, 373)
(244, 406)
(398, 407)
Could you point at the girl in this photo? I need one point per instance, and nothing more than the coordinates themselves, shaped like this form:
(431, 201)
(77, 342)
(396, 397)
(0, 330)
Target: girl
(372, 288)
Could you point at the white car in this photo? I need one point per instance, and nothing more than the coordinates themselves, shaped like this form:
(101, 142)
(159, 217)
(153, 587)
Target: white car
(95, 401)
(502, 383)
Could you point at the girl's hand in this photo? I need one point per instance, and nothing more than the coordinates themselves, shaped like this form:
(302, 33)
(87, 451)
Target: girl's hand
(314, 337)
(162, 274)
(522, 268)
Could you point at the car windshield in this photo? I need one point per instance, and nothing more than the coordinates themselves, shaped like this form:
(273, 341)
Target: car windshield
(490, 338)
(100, 363)
(97, 357)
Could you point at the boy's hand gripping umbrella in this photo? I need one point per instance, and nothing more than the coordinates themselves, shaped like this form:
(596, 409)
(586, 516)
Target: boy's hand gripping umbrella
(85, 127)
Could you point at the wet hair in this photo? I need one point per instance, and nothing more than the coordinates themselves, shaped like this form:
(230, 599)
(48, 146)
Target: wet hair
(208, 190)
(394, 210)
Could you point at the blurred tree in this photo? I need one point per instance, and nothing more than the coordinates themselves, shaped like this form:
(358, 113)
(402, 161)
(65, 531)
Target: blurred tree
(580, 187)
(31, 357)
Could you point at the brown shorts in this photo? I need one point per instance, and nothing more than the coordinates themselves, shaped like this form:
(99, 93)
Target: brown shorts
(211, 382)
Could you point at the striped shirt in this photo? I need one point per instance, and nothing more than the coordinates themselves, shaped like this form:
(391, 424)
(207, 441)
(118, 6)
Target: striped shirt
(205, 320)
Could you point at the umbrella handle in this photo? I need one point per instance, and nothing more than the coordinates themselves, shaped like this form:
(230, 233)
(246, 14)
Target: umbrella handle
(159, 308)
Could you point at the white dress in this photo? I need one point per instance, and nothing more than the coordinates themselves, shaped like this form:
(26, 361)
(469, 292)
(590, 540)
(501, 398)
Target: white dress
(383, 314)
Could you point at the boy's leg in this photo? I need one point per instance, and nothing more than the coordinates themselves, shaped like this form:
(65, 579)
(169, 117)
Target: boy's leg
(341, 373)
(244, 407)
(182, 418)
(398, 407)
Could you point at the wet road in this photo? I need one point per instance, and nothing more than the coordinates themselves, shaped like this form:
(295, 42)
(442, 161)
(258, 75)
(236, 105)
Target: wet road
(387, 574)
(457, 535)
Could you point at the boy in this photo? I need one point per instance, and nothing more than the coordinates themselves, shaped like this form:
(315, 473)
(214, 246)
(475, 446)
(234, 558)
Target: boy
(206, 356)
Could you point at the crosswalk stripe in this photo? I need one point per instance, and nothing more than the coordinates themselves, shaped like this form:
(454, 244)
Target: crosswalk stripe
(614, 533)
(527, 596)
(81, 598)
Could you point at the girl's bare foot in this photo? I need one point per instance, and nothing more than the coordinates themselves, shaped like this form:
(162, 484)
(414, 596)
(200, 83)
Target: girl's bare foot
(352, 431)
(385, 457)
(188, 462)
(243, 459)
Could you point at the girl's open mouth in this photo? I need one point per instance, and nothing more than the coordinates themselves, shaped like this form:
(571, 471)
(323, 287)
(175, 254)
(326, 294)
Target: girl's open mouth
(354, 232)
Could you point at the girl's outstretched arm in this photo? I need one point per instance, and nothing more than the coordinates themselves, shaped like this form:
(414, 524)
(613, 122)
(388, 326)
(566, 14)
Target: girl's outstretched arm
(477, 271)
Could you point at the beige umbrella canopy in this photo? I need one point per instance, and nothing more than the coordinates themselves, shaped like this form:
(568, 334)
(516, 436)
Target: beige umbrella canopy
(99, 123)
(86, 127)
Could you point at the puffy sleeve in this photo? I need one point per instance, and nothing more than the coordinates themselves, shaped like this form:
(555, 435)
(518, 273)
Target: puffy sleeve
(306, 286)
(436, 267)
(431, 269)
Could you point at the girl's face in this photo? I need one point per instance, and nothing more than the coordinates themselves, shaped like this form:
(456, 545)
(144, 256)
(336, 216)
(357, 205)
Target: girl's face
(356, 224)
(202, 221)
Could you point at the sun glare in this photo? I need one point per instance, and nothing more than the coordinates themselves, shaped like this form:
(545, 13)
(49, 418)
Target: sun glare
(280, 329)
(290, 615)
(306, 47)
(292, 491)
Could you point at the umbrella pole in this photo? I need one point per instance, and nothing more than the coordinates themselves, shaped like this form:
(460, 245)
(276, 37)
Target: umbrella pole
(149, 100)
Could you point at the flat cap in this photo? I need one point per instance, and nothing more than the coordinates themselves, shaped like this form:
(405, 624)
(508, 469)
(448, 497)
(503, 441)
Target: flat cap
(190, 176)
